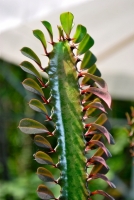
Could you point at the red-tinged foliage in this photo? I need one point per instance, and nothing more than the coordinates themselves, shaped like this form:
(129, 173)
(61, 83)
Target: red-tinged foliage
(96, 176)
(102, 193)
(96, 159)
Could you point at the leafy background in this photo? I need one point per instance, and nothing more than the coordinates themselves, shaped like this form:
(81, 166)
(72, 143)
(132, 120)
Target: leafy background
(18, 179)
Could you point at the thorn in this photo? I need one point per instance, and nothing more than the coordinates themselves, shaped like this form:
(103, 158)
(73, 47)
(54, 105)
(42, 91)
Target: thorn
(54, 132)
(45, 100)
(42, 84)
(52, 43)
(68, 38)
(56, 181)
(48, 118)
(50, 134)
(52, 151)
(85, 117)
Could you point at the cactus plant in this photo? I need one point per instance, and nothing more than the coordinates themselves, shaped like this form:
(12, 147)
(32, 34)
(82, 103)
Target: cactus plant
(73, 98)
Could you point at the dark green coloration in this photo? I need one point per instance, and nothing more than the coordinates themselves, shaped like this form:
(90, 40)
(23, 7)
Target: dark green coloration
(79, 34)
(70, 100)
(29, 53)
(49, 29)
(39, 34)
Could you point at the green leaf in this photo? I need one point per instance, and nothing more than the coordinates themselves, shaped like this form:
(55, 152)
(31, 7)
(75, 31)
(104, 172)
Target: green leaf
(101, 119)
(43, 158)
(38, 106)
(39, 35)
(49, 29)
(29, 68)
(88, 60)
(26, 51)
(61, 34)
(30, 126)
(45, 175)
(66, 22)
(85, 44)
(79, 34)
(42, 142)
(30, 85)
(44, 193)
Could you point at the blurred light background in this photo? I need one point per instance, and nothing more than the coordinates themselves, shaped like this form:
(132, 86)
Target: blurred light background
(111, 24)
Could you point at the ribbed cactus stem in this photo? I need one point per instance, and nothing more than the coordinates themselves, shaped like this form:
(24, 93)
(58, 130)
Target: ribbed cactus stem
(63, 79)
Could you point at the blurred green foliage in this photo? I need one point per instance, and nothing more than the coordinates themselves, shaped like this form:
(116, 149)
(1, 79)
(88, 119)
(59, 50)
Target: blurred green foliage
(18, 179)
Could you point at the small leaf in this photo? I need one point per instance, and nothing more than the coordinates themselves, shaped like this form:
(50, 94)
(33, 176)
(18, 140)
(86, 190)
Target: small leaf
(101, 93)
(100, 152)
(97, 159)
(104, 95)
(26, 51)
(102, 193)
(61, 34)
(43, 158)
(44, 193)
(38, 106)
(102, 176)
(45, 175)
(29, 68)
(88, 60)
(30, 126)
(30, 85)
(101, 119)
(67, 22)
(39, 35)
(49, 29)
(85, 44)
(79, 34)
(103, 130)
(99, 168)
(95, 104)
(91, 144)
(42, 142)
(97, 79)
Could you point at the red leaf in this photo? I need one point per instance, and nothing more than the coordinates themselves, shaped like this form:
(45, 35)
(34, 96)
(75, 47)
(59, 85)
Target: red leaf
(102, 193)
(97, 159)
(102, 129)
(98, 143)
(101, 93)
(95, 105)
(102, 176)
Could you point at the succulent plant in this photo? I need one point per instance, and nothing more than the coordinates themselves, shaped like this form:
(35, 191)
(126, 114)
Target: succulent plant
(73, 98)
